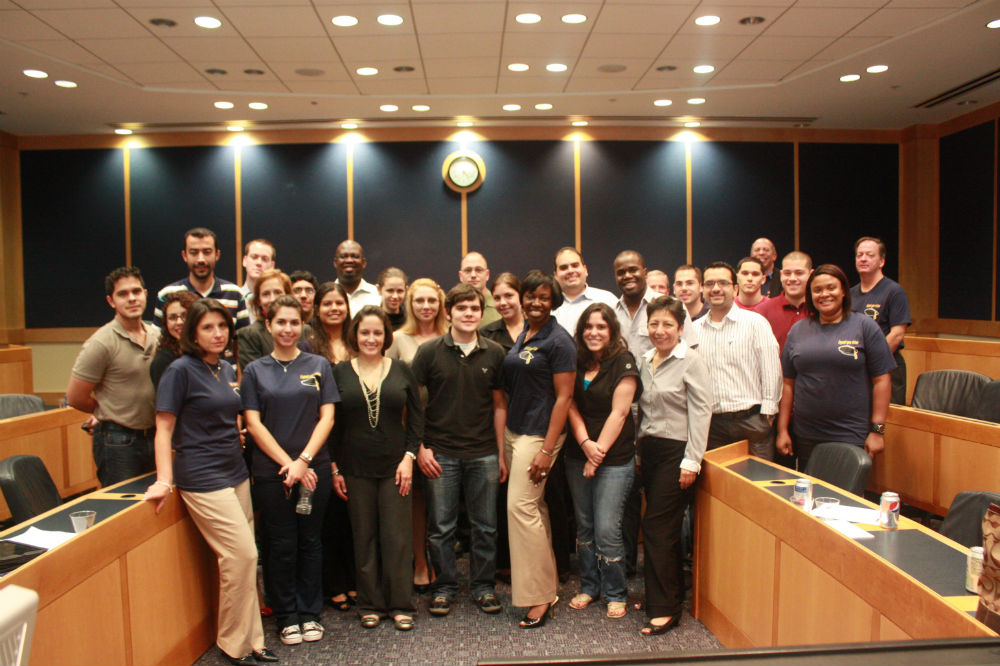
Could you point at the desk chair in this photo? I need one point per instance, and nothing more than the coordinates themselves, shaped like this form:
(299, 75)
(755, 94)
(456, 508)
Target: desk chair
(844, 465)
(988, 407)
(18, 404)
(964, 522)
(949, 391)
(18, 609)
(27, 487)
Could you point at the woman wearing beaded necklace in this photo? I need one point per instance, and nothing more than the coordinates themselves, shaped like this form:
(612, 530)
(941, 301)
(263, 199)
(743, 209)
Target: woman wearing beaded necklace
(379, 426)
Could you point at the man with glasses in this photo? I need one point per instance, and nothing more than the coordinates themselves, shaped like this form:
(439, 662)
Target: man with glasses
(742, 358)
(474, 271)
(304, 286)
(789, 306)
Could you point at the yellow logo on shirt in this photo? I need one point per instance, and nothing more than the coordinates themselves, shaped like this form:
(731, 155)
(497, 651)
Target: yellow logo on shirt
(848, 348)
(236, 387)
(310, 380)
(526, 354)
(872, 310)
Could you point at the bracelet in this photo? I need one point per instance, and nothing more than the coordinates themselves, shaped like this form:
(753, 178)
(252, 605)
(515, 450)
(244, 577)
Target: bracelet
(550, 455)
(336, 472)
(164, 483)
(305, 460)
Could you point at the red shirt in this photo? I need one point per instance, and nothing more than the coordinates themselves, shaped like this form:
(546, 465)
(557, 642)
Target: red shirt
(781, 315)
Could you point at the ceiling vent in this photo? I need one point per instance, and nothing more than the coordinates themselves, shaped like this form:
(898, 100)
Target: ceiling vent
(966, 87)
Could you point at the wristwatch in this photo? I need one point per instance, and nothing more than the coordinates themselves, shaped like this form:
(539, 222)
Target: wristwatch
(878, 428)
(413, 456)
(305, 456)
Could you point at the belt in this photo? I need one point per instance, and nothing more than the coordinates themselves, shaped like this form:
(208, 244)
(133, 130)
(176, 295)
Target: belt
(111, 425)
(750, 411)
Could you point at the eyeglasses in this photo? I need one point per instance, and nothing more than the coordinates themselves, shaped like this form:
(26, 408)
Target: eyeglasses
(177, 318)
(473, 269)
(309, 291)
(721, 283)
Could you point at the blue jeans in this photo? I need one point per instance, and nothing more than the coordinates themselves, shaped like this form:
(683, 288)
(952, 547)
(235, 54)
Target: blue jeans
(478, 479)
(122, 453)
(599, 503)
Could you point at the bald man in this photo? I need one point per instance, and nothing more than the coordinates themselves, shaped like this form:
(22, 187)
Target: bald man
(349, 261)
(765, 250)
(474, 271)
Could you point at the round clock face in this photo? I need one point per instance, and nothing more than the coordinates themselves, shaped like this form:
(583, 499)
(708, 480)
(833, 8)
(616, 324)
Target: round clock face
(463, 171)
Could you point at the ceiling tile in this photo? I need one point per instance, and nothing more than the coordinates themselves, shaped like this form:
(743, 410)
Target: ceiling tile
(731, 15)
(544, 45)
(366, 15)
(707, 49)
(628, 18)
(234, 71)
(92, 23)
(848, 46)
(785, 48)
(815, 22)
(755, 70)
(481, 85)
(440, 68)
(279, 49)
(19, 26)
(683, 77)
(470, 45)
(130, 50)
(211, 48)
(184, 17)
(588, 67)
(382, 48)
(32, 5)
(262, 87)
(601, 85)
(63, 49)
(313, 87)
(552, 13)
(159, 72)
(385, 70)
(624, 46)
(397, 87)
(892, 22)
(275, 21)
(508, 85)
(332, 71)
(458, 17)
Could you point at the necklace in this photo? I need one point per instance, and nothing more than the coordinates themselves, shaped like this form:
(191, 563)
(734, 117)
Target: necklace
(284, 364)
(373, 398)
(213, 370)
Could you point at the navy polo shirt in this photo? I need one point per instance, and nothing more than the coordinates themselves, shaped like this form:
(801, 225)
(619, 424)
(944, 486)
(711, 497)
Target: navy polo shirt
(528, 369)
(886, 303)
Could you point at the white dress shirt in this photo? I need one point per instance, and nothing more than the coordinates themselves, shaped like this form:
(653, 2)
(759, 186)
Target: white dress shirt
(365, 294)
(568, 314)
(635, 331)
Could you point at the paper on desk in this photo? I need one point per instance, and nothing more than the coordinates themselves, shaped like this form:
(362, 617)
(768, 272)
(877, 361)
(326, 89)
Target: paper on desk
(849, 529)
(851, 514)
(41, 538)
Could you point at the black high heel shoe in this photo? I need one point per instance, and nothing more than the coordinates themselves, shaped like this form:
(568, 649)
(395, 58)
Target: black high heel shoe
(534, 622)
(657, 629)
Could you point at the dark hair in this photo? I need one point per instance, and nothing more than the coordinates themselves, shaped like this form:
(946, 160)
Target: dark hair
(566, 248)
(873, 239)
(721, 264)
(672, 305)
(390, 272)
(319, 339)
(262, 241)
(369, 311)
(508, 279)
(196, 313)
(688, 267)
(283, 301)
(463, 292)
(796, 255)
(754, 260)
(834, 271)
(201, 232)
(299, 276)
(616, 345)
(118, 274)
(638, 255)
(185, 298)
(535, 279)
(270, 274)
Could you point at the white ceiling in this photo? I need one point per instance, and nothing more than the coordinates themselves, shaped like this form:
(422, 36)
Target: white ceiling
(778, 73)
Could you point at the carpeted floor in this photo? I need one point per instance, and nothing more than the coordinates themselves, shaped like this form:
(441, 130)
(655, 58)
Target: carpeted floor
(467, 635)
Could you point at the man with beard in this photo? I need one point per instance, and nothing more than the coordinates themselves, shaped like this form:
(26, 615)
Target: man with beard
(349, 261)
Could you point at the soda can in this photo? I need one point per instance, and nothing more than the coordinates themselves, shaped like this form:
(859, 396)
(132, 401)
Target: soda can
(973, 569)
(888, 511)
(803, 493)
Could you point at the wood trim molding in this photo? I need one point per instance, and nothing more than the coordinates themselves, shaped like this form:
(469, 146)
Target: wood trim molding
(985, 329)
(70, 334)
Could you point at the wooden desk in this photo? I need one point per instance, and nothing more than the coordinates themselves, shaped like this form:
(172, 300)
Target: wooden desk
(16, 370)
(136, 588)
(767, 573)
(927, 353)
(930, 457)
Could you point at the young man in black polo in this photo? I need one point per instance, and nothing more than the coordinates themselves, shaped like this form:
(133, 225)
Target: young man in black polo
(462, 451)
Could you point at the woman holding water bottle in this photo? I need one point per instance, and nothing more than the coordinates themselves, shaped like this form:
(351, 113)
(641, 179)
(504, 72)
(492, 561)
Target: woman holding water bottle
(288, 398)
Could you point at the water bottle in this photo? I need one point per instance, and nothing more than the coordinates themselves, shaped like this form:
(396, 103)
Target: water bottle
(305, 504)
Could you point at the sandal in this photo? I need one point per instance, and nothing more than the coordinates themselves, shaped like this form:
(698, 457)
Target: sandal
(654, 629)
(581, 601)
(616, 610)
(342, 605)
(370, 621)
(403, 622)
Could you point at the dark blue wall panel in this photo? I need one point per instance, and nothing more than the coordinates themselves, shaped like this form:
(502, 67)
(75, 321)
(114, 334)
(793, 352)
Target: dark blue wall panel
(847, 191)
(966, 231)
(632, 198)
(173, 190)
(740, 192)
(73, 213)
(295, 195)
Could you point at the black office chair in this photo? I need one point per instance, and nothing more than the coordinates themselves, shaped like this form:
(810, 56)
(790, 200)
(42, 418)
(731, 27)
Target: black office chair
(988, 407)
(19, 404)
(844, 465)
(949, 391)
(964, 521)
(27, 487)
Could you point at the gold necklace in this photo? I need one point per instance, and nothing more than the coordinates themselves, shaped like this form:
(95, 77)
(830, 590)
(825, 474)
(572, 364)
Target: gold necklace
(213, 371)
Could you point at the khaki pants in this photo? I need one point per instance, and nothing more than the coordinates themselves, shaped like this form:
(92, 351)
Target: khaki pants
(534, 580)
(225, 518)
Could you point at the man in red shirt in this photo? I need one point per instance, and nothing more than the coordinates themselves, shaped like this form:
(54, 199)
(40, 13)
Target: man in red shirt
(788, 307)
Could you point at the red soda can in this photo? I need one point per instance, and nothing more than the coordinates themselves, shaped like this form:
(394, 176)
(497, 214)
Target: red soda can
(888, 511)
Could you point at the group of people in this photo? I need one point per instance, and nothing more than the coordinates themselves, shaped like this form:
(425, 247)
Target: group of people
(354, 423)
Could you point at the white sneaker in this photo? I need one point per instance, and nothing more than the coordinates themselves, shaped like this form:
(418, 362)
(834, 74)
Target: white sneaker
(312, 631)
(291, 635)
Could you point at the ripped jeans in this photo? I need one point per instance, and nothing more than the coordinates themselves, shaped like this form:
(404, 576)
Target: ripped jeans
(599, 503)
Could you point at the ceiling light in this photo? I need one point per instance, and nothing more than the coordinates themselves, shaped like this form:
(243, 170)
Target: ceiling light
(696, 100)
(666, 68)
(257, 106)
(693, 123)
(527, 18)
(253, 72)
(215, 71)
(848, 78)
(511, 107)
(344, 21)
(574, 18)
(36, 73)
(350, 126)
(390, 19)
(556, 67)
(994, 24)
(579, 123)
(420, 108)
(877, 69)
(309, 71)
(612, 68)
(234, 128)
(208, 22)
(704, 69)
(707, 20)
(163, 22)
(662, 102)
(367, 71)
(752, 20)
(544, 106)
(66, 84)
(464, 123)
(223, 105)
(517, 67)
(388, 108)
(123, 131)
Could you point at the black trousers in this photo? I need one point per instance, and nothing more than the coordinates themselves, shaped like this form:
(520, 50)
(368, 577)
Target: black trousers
(661, 525)
(338, 549)
(898, 379)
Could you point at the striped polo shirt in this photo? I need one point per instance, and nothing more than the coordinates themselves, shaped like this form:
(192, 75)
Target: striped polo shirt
(227, 293)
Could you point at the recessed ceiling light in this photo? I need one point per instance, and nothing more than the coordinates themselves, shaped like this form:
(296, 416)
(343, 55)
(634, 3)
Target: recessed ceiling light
(234, 128)
(848, 78)
(612, 68)
(208, 22)
(464, 123)
(877, 69)
(994, 24)
(367, 71)
(517, 67)
(35, 73)
(574, 18)
(511, 107)
(388, 108)
(309, 71)
(344, 21)
(349, 126)
(163, 22)
(693, 123)
(696, 100)
(528, 18)
(704, 69)
(752, 20)
(580, 123)
(390, 19)
(662, 102)
(257, 106)
(420, 108)
(123, 131)
(556, 67)
(223, 105)
(544, 106)
(707, 20)
(66, 84)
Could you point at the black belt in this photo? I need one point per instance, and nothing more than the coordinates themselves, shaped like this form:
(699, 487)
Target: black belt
(750, 411)
(111, 425)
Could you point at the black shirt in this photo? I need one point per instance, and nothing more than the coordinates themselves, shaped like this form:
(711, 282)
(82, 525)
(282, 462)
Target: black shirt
(497, 332)
(594, 405)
